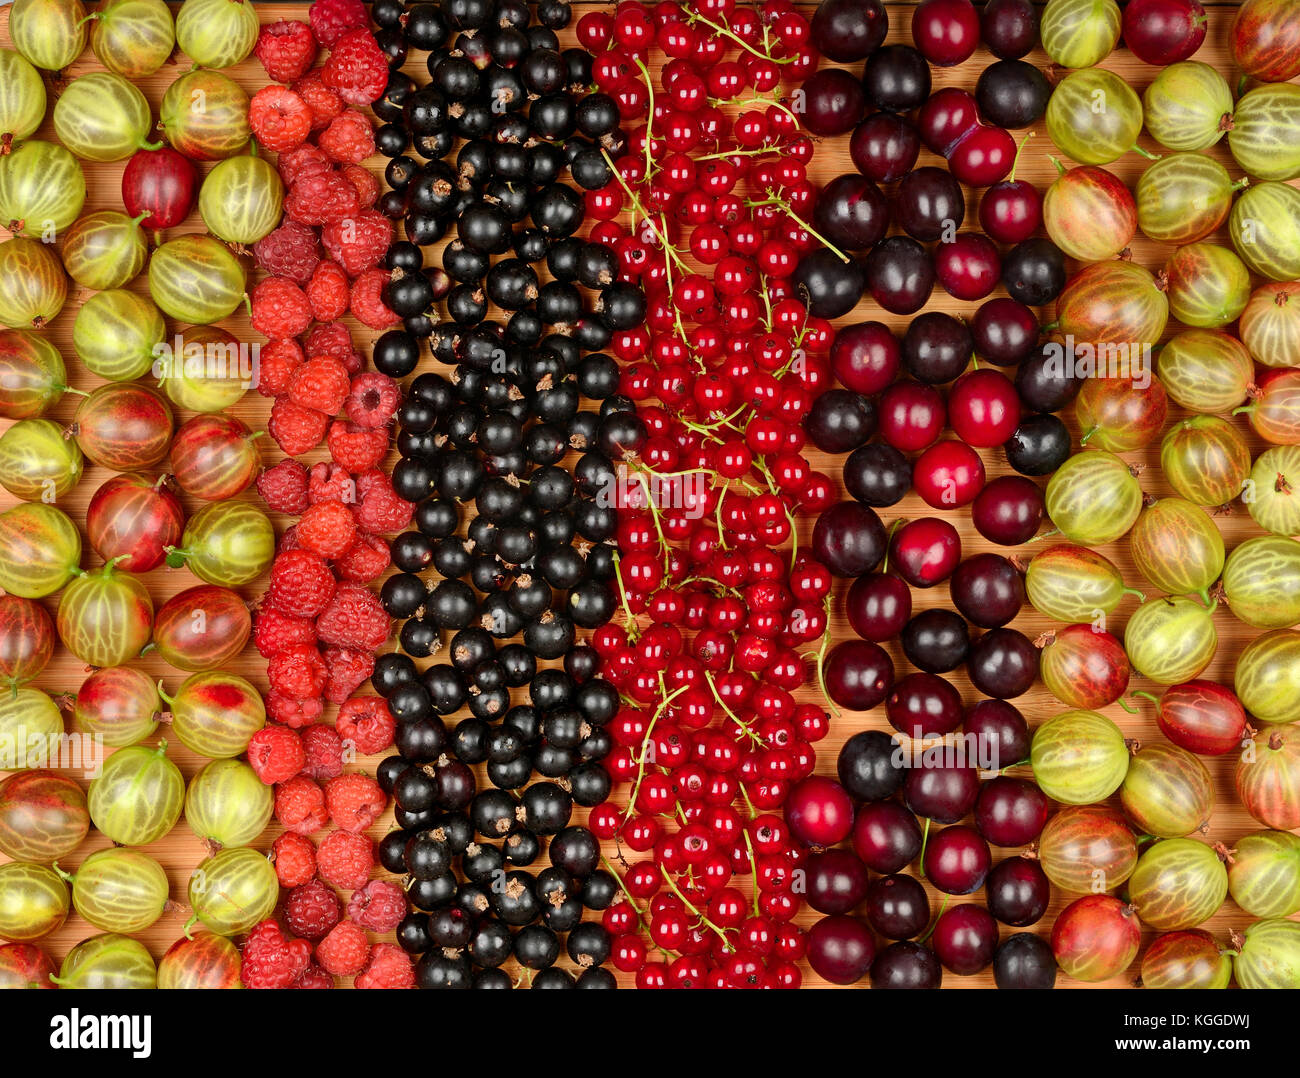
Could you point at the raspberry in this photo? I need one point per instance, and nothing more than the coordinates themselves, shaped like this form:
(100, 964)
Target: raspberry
(353, 618)
(296, 430)
(301, 585)
(366, 722)
(328, 293)
(389, 967)
(321, 384)
(276, 360)
(359, 240)
(312, 910)
(356, 448)
(274, 631)
(357, 69)
(288, 540)
(313, 976)
(280, 119)
(324, 750)
(327, 529)
(286, 49)
(329, 481)
(382, 511)
(324, 103)
(331, 19)
(269, 959)
(373, 399)
(349, 140)
(345, 860)
(344, 951)
(298, 671)
(319, 197)
(300, 806)
(292, 711)
(280, 308)
(295, 859)
(379, 906)
(289, 251)
(365, 561)
(330, 338)
(348, 670)
(372, 479)
(367, 300)
(365, 183)
(355, 801)
(284, 487)
(306, 160)
(276, 752)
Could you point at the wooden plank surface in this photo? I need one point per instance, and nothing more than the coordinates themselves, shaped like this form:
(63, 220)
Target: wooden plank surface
(179, 851)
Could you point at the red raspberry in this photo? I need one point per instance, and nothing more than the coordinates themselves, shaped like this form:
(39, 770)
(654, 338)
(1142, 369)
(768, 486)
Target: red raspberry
(366, 722)
(315, 977)
(324, 750)
(322, 384)
(291, 711)
(349, 140)
(344, 951)
(382, 511)
(269, 959)
(288, 540)
(355, 801)
(356, 448)
(328, 292)
(298, 671)
(359, 240)
(280, 308)
(289, 251)
(379, 906)
(286, 49)
(389, 967)
(274, 631)
(367, 301)
(348, 670)
(345, 859)
(365, 183)
(275, 752)
(319, 197)
(276, 361)
(353, 618)
(280, 119)
(324, 103)
(329, 481)
(300, 806)
(301, 585)
(330, 338)
(295, 859)
(312, 910)
(283, 487)
(331, 19)
(357, 69)
(296, 430)
(373, 479)
(306, 160)
(327, 529)
(373, 399)
(365, 561)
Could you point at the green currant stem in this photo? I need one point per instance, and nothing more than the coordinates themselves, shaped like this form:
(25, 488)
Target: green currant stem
(744, 726)
(630, 618)
(753, 862)
(645, 745)
(668, 879)
(650, 168)
(639, 209)
(730, 35)
(775, 200)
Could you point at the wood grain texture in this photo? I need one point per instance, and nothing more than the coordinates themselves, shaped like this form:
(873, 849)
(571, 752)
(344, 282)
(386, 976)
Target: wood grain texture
(180, 851)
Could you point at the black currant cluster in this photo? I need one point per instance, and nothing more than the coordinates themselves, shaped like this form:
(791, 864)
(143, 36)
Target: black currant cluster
(504, 125)
(513, 545)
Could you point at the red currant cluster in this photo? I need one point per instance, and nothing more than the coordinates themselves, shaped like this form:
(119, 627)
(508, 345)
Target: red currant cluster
(722, 613)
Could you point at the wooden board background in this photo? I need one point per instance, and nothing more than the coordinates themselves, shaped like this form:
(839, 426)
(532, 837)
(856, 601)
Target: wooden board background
(180, 851)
